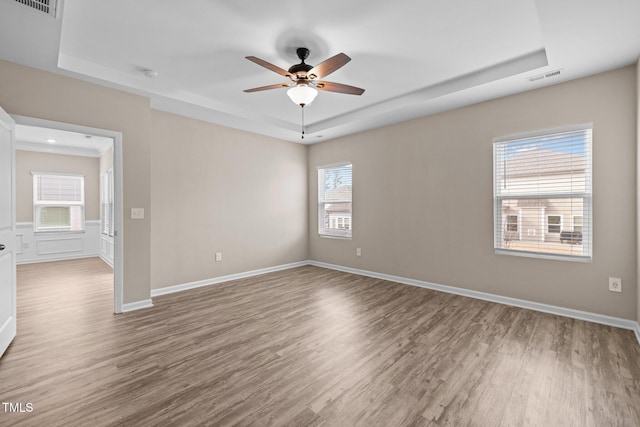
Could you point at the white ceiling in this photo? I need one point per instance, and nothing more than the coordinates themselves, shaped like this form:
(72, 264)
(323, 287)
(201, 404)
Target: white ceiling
(33, 138)
(413, 57)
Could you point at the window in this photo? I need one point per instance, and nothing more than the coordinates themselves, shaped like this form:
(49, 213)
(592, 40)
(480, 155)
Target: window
(554, 223)
(58, 202)
(542, 192)
(577, 223)
(106, 203)
(334, 200)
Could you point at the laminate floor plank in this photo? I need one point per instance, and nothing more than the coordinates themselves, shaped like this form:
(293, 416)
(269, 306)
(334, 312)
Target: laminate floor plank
(305, 347)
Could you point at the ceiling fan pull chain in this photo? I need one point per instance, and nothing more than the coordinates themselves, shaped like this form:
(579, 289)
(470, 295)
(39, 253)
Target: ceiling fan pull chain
(302, 105)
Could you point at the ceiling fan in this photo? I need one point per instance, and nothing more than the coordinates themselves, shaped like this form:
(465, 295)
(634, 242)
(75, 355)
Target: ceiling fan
(305, 78)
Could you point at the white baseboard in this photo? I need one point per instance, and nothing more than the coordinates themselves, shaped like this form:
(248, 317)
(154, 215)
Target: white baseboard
(106, 260)
(58, 258)
(138, 305)
(216, 280)
(545, 308)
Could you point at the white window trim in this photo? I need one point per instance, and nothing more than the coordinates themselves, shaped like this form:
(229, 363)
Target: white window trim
(587, 197)
(107, 183)
(321, 204)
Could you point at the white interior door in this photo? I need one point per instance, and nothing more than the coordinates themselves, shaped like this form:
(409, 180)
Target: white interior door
(7, 232)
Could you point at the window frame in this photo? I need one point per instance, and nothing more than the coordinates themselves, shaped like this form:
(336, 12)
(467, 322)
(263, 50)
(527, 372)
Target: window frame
(586, 196)
(38, 205)
(512, 226)
(559, 224)
(344, 233)
(107, 211)
(573, 223)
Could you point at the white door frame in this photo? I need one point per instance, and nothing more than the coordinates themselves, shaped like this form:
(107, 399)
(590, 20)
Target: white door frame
(118, 260)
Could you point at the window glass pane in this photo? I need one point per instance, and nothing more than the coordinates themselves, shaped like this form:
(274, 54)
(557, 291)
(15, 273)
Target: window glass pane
(538, 233)
(55, 217)
(334, 201)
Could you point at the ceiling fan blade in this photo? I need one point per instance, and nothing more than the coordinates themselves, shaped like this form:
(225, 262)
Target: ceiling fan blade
(340, 88)
(329, 66)
(269, 66)
(258, 89)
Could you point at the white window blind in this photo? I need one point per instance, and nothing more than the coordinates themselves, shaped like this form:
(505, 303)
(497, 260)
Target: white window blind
(58, 202)
(334, 200)
(106, 203)
(544, 181)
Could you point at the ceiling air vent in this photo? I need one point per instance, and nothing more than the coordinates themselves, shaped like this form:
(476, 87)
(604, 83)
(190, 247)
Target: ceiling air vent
(545, 75)
(43, 6)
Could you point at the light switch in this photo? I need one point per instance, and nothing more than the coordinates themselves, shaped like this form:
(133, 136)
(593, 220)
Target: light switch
(137, 213)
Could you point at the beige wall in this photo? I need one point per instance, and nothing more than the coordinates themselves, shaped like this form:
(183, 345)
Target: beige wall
(30, 161)
(34, 93)
(422, 197)
(217, 189)
(638, 180)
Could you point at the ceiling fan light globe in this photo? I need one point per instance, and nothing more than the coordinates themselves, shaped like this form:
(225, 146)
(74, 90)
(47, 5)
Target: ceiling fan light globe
(302, 94)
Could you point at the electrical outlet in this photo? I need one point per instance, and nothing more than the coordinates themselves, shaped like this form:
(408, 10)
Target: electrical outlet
(358, 252)
(615, 284)
(218, 256)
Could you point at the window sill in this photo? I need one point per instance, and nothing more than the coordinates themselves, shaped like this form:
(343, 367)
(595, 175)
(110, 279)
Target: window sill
(556, 257)
(43, 233)
(330, 236)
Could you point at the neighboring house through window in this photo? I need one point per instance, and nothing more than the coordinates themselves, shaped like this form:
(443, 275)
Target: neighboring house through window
(58, 202)
(334, 200)
(542, 194)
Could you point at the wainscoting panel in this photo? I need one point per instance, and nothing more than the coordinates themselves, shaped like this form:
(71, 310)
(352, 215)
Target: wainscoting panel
(19, 243)
(56, 246)
(106, 249)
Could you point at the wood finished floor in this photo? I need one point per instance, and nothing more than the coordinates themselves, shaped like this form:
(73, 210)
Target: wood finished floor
(305, 347)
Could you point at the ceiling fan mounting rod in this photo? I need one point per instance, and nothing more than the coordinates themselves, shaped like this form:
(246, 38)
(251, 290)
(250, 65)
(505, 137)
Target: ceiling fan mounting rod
(303, 53)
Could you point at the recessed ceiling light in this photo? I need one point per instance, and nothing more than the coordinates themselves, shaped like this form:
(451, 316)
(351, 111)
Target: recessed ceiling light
(51, 140)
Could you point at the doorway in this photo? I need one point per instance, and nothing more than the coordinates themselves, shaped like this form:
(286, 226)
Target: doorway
(101, 235)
